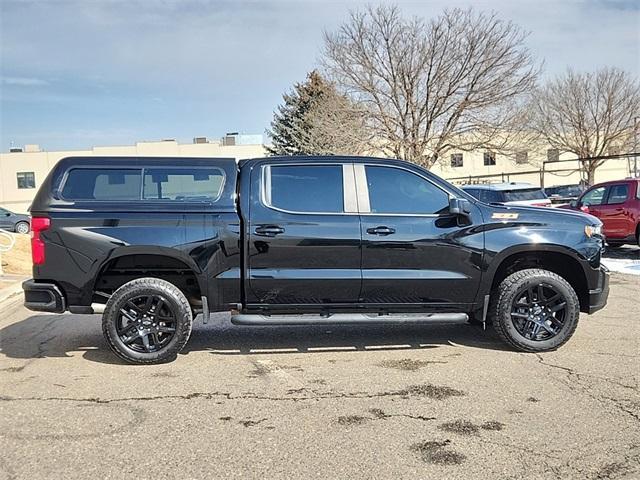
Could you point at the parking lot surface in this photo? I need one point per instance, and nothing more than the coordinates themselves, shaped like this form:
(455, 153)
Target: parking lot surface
(436, 401)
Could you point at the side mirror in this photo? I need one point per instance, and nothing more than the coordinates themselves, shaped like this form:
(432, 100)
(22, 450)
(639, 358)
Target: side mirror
(7, 214)
(459, 206)
(573, 204)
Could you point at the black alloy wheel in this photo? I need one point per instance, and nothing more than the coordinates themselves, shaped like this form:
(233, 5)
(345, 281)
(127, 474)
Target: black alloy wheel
(147, 323)
(538, 312)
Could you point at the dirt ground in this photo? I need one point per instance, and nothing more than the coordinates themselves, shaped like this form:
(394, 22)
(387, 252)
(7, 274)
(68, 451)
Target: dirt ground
(18, 260)
(416, 402)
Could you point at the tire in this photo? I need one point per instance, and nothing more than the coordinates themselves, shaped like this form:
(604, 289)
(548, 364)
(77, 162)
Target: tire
(144, 331)
(22, 228)
(518, 293)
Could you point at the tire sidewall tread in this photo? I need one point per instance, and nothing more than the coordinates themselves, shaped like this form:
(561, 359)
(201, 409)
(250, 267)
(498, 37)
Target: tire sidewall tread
(141, 286)
(501, 304)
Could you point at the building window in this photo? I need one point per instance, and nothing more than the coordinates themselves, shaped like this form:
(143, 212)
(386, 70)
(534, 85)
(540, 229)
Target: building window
(553, 155)
(456, 160)
(26, 180)
(489, 159)
(522, 157)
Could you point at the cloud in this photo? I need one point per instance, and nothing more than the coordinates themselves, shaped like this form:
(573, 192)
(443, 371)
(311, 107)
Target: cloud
(24, 81)
(223, 65)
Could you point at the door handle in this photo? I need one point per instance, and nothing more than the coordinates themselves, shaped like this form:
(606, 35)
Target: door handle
(381, 231)
(269, 230)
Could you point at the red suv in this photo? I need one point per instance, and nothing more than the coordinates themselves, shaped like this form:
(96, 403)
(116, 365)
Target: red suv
(617, 205)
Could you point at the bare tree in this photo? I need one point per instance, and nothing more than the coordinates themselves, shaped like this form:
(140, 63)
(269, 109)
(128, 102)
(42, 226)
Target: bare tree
(429, 87)
(337, 127)
(589, 114)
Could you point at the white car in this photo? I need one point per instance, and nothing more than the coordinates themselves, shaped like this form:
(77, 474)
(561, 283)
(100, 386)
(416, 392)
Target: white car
(509, 194)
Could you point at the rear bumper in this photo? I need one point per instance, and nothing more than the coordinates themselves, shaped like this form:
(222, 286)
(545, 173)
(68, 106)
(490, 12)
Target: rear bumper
(598, 296)
(43, 297)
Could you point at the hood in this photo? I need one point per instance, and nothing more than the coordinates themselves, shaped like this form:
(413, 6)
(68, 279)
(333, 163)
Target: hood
(541, 214)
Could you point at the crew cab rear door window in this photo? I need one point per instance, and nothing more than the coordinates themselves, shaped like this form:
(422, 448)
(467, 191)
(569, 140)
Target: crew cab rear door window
(304, 188)
(107, 184)
(398, 191)
(618, 194)
(183, 184)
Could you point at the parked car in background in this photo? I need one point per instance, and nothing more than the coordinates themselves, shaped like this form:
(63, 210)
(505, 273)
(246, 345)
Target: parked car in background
(509, 194)
(617, 205)
(14, 222)
(561, 194)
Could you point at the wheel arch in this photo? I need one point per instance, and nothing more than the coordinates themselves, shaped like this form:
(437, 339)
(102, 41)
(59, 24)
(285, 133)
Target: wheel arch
(127, 263)
(558, 259)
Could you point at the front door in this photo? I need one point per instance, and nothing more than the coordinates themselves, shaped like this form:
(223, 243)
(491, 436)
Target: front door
(304, 236)
(591, 202)
(413, 251)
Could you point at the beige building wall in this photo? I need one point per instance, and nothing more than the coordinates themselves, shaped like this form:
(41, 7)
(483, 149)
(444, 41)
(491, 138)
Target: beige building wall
(508, 170)
(505, 169)
(41, 163)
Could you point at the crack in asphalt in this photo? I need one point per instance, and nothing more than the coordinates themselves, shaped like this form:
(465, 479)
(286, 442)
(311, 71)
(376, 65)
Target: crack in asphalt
(578, 387)
(414, 391)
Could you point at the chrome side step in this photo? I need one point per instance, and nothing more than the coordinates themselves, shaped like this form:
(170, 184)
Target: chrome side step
(347, 319)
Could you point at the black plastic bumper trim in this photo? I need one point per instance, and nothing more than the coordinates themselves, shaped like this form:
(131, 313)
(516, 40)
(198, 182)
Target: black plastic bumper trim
(43, 297)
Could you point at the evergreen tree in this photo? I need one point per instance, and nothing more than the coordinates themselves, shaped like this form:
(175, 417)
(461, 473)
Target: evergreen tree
(291, 123)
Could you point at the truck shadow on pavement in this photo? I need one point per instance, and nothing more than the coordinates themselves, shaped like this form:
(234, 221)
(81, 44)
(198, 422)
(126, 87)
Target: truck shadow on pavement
(47, 336)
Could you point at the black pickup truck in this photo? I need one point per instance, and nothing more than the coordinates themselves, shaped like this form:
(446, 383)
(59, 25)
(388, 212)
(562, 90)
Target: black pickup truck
(300, 241)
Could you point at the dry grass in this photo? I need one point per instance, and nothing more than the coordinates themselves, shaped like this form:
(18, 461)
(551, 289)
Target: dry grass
(17, 261)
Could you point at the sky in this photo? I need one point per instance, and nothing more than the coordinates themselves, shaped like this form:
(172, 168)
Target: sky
(77, 74)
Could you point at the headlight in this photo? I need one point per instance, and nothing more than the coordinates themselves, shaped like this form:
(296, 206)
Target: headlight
(591, 230)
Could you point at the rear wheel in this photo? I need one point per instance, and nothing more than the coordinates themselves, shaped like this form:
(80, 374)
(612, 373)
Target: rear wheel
(535, 310)
(22, 227)
(147, 320)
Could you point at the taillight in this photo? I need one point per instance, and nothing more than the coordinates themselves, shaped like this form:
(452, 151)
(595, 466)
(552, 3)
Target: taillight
(38, 225)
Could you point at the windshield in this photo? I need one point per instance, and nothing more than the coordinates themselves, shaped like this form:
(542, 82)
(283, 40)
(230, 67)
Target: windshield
(524, 195)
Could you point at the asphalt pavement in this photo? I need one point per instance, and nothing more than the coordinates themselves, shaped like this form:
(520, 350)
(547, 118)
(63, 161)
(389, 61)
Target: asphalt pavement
(436, 401)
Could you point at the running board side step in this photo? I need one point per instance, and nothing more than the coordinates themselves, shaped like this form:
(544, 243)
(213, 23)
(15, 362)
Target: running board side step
(347, 319)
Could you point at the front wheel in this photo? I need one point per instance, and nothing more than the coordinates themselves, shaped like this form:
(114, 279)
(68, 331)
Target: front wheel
(535, 310)
(147, 320)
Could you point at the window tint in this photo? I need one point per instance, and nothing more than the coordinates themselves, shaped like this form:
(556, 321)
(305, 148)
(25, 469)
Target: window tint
(102, 184)
(26, 180)
(593, 197)
(618, 194)
(474, 192)
(305, 188)
(392, 190)
(183, 184)
(491, 196)
(524, 194)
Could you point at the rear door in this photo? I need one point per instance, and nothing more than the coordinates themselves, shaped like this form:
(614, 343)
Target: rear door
(614, 212)
(413, 251)
(304, 235)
